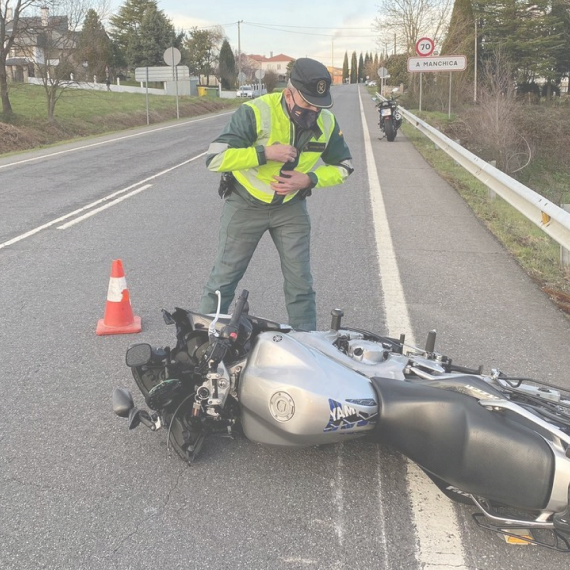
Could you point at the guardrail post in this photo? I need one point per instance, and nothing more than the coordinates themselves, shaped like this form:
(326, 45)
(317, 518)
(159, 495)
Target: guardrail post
(490, 193)
(564, 253)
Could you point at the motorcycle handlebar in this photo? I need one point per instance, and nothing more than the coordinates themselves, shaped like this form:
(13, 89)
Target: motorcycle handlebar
(231, 329)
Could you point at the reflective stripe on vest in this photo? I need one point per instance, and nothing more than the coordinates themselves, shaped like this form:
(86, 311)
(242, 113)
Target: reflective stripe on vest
(274, 126)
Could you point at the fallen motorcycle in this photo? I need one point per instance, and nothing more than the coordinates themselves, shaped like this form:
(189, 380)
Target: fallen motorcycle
(500, 443)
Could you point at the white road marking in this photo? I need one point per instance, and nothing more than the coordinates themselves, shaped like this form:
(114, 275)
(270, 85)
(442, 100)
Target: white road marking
(108, 205)
(381, 516)
(338, 497)
(96, 203)
(438, 536)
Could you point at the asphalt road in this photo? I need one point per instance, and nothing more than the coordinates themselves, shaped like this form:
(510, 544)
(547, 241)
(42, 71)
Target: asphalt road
(78, 491)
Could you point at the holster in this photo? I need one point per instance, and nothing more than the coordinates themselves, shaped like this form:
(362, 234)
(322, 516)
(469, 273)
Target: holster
(227, 184)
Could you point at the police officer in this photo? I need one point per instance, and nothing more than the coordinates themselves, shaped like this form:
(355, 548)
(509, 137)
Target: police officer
(268, 153)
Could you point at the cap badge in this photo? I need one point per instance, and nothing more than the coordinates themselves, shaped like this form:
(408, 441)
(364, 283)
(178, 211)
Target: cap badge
(321, 87)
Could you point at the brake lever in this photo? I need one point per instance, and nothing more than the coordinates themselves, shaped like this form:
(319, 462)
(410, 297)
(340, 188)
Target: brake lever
(212, 328)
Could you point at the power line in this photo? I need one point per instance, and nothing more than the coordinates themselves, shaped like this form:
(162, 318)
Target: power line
(267, 27)
(307, 27)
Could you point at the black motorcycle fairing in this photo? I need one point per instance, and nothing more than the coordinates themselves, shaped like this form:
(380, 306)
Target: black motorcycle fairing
(478, 451)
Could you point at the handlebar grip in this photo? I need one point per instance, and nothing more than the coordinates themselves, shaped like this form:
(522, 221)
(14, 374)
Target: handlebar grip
(231, 329)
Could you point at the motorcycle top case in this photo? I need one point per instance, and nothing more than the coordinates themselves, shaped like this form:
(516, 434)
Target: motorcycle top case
(293, 395)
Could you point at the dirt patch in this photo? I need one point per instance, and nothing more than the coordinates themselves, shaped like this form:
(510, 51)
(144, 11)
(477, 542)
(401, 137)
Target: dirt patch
(21, 137)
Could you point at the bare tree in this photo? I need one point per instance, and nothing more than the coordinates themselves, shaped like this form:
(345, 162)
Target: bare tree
(46, 37)
(492, 124)
(402, 23)
(10, 27)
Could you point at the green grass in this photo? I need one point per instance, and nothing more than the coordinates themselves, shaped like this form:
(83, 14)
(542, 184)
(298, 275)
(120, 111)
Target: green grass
(535, 251)
(29, 103)
(83, 113)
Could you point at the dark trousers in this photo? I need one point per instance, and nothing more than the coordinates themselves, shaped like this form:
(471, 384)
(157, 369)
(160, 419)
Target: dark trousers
(243, 223)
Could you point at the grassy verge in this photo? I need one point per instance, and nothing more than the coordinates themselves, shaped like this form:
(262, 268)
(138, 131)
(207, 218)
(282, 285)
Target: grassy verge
(82, 113)
(535, 252)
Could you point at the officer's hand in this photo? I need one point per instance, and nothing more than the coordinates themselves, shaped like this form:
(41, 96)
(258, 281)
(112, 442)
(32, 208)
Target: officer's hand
(280, 152)
(290, 182)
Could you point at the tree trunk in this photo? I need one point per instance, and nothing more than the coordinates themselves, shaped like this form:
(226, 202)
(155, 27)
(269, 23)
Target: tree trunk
(6, 105)
(50, 104)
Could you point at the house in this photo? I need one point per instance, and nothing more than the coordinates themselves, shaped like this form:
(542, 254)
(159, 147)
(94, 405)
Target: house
(41, 42)
(278, 64)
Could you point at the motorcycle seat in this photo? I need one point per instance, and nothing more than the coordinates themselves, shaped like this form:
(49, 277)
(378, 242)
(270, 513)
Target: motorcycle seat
(482, 452)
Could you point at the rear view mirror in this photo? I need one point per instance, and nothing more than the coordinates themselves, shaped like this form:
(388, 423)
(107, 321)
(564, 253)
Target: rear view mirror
(138, 355)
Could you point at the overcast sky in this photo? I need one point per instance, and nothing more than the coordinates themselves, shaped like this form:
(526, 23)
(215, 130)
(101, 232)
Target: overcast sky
(323, 30)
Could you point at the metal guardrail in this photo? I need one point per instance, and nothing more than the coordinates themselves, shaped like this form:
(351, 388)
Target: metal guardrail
(552, 219)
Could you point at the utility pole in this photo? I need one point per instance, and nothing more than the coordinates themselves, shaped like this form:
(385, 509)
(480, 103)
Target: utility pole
(239, 52)
(332, 60)
(475, 67)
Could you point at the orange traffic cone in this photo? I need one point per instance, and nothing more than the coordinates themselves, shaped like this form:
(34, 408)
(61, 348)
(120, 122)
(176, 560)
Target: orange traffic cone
(119, 317)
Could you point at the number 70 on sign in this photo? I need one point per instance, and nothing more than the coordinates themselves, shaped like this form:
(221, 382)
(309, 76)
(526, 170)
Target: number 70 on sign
(425, 47)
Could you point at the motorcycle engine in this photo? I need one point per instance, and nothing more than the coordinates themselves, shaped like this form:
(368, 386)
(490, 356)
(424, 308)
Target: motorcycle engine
(366, 351)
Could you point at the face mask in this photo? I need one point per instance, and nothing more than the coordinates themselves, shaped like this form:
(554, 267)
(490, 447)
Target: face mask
(304, 118)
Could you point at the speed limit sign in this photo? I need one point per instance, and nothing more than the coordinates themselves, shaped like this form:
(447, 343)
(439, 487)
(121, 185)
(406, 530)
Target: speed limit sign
(425, 46)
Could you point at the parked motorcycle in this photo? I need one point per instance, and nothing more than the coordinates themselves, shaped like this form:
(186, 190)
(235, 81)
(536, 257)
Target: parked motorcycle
(500, 443)
(390, 118)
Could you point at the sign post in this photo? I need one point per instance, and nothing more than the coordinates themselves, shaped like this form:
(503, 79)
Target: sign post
(382, 74)
(172, 57)
(442, 63)
(424, 48)
(260, 74)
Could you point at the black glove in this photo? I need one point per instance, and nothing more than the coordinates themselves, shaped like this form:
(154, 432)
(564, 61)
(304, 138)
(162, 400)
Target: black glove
(226, 187)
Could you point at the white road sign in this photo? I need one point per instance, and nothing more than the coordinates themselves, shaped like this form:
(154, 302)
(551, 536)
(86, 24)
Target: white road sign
(172, 56)
(442, 63)
(162, 73)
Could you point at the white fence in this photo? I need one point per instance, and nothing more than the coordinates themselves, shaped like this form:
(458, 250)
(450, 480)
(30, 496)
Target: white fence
(184, 88)
(101, 87)
(552, 219)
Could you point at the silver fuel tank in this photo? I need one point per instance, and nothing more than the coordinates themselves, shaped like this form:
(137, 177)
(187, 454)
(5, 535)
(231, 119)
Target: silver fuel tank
(291, 394)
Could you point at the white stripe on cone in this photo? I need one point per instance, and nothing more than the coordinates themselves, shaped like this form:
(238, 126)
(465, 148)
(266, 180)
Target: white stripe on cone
(116, 287)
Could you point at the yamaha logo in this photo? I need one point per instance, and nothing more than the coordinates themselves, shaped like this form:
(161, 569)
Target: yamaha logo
(321, 87)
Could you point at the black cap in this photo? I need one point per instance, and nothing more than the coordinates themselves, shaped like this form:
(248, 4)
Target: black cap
(312, 79)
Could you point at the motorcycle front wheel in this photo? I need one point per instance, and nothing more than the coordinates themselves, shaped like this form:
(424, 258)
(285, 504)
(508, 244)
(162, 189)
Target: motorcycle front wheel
(390, 130)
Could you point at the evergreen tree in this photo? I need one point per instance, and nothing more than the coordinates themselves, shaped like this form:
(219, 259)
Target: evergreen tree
(156, 34)
(561, 12)
(460, 40)
(345, 68)
(353, 68)
(139, 31)
(94, 46)
(530, 35)
(361, 73)
(227, 67)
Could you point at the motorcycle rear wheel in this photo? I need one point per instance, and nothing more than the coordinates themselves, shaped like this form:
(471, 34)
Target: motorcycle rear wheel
(390, 130)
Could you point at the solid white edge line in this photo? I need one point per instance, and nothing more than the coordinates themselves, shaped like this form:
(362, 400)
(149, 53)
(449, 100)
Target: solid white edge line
(100, 209)
(437, 528)
(93, 204)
